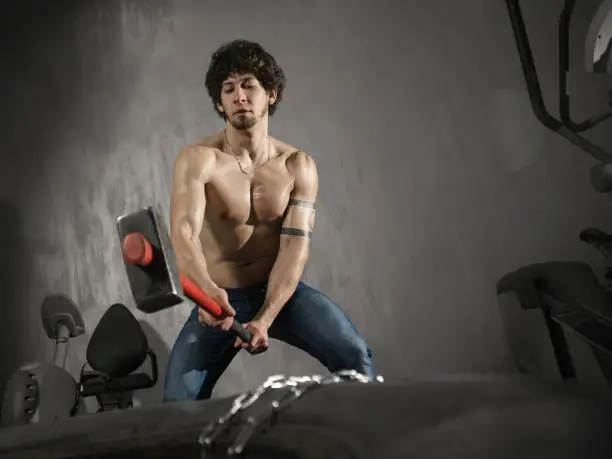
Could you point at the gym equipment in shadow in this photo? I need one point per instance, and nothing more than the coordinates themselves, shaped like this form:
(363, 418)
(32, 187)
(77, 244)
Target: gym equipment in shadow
(42, 392)
(557, 316)
(117, 348)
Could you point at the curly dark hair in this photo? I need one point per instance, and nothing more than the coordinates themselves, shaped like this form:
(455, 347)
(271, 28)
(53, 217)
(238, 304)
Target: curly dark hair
(243, 56)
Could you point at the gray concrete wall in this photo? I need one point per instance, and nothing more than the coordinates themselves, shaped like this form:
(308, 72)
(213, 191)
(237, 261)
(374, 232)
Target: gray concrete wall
(436, 178)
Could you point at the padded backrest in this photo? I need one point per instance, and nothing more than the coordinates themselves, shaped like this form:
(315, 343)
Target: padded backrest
(118, 345)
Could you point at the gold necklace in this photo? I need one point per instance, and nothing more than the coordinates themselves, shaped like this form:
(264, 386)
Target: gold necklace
(238, 161)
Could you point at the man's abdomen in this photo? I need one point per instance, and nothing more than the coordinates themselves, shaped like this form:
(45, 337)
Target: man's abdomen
(240, 274)
(240, 256)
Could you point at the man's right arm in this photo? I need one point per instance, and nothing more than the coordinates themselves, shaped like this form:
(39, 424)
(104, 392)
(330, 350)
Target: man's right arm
(192, 169)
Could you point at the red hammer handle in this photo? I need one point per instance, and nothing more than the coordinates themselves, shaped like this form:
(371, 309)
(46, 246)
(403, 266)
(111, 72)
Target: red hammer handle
(204, 301)
(196, 294)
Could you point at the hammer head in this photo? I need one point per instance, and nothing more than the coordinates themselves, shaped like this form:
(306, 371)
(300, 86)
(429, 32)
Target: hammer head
(156, 286)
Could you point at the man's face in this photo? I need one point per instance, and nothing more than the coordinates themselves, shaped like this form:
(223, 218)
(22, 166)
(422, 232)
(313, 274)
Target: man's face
(244, 101)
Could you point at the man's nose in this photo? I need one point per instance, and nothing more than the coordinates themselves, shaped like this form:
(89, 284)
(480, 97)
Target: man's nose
(240, 95)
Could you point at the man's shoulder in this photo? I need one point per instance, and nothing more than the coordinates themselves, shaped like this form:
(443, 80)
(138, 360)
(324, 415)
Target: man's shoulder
(201, 153)
(301, 166)
(295, 157)
(299, 160)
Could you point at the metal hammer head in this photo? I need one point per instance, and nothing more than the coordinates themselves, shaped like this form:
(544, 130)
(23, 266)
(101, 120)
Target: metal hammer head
(156, 284)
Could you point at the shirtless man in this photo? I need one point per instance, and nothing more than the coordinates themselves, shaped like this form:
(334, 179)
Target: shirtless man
(242, 214)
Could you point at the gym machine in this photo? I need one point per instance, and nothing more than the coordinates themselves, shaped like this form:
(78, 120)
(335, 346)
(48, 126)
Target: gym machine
(42, 392)
(557, 315)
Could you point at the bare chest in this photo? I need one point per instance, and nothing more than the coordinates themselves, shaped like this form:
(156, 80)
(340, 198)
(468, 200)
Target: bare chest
(240, 199)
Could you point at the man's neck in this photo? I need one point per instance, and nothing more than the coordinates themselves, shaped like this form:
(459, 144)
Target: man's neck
(253, 142)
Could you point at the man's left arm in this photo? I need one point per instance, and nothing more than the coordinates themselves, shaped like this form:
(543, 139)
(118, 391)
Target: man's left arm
(296, 231)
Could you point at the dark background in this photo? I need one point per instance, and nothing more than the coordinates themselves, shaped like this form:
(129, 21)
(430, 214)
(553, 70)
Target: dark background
(435, 176)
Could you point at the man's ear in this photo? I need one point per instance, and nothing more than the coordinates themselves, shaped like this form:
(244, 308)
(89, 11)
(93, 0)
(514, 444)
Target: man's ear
(220, 107)
(272, 96)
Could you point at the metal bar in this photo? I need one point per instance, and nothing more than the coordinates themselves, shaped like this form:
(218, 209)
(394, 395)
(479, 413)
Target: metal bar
(535, 92)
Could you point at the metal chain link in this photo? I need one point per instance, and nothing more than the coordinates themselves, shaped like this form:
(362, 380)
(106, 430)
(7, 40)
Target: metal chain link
(297, 386)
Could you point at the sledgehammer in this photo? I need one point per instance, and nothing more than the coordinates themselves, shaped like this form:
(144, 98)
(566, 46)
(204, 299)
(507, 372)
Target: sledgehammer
(154, 278)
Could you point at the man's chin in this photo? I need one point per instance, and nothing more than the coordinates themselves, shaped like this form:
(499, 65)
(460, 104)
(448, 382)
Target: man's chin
(243, 123)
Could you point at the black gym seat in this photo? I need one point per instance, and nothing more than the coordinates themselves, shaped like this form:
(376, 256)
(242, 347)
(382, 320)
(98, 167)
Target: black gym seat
(117, 348)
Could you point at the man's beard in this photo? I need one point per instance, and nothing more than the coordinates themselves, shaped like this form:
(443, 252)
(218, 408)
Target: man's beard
(244, 121)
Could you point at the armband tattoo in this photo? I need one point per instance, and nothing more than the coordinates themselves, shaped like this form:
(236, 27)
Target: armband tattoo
(302, 203)
(296, 232)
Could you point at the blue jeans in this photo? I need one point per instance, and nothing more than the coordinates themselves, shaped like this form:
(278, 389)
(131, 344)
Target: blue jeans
(310, 321)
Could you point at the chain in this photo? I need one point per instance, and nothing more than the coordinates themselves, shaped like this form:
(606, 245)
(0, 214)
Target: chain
(296, 385)
(238, 161)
